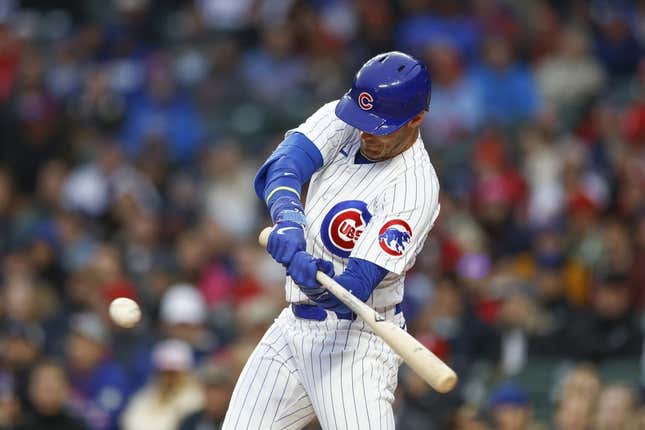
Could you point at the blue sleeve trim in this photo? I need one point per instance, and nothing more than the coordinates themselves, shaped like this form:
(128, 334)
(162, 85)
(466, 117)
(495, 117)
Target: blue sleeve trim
(291, 165)
(361, 277)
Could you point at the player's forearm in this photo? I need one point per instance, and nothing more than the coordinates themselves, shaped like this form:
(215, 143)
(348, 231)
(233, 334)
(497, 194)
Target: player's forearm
(282, 193)
(282, 176)
(361, 277)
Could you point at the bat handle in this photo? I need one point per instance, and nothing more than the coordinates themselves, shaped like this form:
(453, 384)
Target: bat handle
(264, 236)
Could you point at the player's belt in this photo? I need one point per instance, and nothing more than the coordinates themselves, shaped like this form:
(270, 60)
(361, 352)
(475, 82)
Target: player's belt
(314, 312)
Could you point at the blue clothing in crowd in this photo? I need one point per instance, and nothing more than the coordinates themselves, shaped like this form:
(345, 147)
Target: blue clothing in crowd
(176, 123)
(506, 96)
(101, 395)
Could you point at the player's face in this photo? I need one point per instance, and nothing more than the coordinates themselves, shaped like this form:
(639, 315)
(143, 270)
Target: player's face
(379, 148)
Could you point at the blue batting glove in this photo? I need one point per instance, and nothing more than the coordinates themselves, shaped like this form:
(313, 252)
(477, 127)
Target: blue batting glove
(303, 268)
(286, 239)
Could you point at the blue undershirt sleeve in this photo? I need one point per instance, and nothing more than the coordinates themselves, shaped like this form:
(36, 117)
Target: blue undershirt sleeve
(292, 164)
(280, 179)
(361, 277)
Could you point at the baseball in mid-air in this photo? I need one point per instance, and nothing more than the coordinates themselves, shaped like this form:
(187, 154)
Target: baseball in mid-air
(125, 312)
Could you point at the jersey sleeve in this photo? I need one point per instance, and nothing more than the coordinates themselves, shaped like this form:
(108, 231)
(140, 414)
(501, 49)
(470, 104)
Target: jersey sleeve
(401, 221)
(325, 130)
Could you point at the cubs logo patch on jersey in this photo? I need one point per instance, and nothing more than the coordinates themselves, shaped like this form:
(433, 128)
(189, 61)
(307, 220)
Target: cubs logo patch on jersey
(343, 225)
(394, 236)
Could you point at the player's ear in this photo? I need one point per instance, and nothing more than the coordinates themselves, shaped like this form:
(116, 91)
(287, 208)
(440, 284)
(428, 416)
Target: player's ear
(417, 120)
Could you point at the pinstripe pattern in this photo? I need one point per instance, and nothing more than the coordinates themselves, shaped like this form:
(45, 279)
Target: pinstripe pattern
(405, 187)
(268, 393)
(338, 370)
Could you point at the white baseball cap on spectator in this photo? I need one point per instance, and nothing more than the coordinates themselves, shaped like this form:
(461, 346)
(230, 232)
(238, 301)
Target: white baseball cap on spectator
(172, 355)
(183, 304)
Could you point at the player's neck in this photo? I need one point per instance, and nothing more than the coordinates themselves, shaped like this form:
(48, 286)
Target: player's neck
(408, 143)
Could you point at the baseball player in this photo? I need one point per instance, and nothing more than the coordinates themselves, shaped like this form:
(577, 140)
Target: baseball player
(372, 199)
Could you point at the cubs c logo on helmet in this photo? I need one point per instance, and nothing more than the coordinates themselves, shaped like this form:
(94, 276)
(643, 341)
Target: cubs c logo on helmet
(343, 225)
(365, 100)
(394, 236)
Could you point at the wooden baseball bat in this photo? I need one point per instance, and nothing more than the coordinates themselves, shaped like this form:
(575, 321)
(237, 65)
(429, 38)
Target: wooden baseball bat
(427, 365)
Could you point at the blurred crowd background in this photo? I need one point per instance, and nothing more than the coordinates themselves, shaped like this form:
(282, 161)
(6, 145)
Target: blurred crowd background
(130, 132)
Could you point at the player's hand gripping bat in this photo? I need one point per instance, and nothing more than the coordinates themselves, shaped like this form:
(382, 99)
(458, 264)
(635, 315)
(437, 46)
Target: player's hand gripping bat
(427, 365)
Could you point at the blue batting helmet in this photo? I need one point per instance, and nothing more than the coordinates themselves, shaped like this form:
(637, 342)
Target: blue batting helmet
(388, 91)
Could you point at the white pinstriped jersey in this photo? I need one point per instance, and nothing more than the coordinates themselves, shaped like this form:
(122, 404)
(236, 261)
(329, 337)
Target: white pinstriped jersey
(380, 212)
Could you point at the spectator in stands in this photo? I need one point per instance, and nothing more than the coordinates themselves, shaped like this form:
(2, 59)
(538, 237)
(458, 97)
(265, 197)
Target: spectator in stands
(456, 111)
(616, 408)
(506, 88)
(184, 316)
(421, 407)
(93, 188)
(582, 381)
(97, 104)
(469, 418)
(172, 394)
(577, 399)
(77, 242)
(542, 168)
(32, 134)
(227, 199)
(21, 349)
(615, 44)
(217, 385)
(452, 327)
(609, 329)
(549, 288)
(162, 118)
(10, 410)
(573, 413)
(99, 386)
(570, 77)
(49, 392)
(252, 318)
(498, 189)
(510, 408)
(273, 69)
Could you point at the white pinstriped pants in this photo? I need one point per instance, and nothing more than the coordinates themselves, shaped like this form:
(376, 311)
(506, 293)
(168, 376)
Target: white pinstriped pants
(337, 370)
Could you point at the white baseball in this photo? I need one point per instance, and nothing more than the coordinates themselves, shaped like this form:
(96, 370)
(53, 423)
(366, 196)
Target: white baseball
(125, 312)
